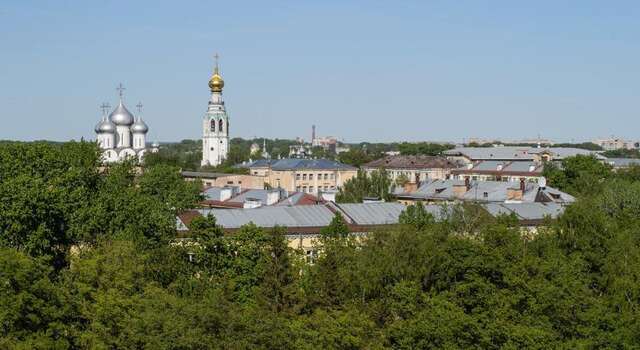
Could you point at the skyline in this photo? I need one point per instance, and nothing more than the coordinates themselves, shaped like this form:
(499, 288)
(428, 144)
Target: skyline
(360, 71)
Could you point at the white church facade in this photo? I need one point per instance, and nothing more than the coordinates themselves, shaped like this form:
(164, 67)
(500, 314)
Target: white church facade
(215, 124)
(121, 135)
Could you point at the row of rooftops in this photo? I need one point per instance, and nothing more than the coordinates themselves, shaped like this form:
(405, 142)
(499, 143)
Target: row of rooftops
(360, 217)
(482, 191)
(296, 164)
(515, 153)
(235, 197)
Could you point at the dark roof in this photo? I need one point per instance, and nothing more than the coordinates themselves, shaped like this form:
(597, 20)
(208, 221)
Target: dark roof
(294, 164)
(202, 174)
(411, 162)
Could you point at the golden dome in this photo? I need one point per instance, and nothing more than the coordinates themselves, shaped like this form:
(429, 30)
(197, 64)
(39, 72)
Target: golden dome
(216, 83)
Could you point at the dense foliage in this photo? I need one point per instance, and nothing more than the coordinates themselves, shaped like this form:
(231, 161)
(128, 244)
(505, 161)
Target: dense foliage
(377, 185)
(86, 262)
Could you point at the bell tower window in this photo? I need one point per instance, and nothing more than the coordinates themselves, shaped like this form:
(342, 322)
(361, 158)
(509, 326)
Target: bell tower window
(213, 125)
(220, 125)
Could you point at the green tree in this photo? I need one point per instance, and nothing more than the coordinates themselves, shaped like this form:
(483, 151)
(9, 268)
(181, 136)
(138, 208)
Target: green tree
(354, 190)
(337, 227)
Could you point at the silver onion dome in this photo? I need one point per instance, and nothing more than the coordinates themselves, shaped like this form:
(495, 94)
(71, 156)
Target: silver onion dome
(139, 127)
(105, 127)
(121, 115)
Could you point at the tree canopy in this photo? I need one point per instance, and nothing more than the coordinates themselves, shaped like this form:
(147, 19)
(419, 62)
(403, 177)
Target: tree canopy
(89, 259)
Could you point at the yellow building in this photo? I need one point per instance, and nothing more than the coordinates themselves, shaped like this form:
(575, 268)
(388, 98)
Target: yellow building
(302, 175)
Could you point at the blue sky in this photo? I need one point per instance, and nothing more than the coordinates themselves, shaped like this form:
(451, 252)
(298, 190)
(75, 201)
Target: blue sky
(359, 70)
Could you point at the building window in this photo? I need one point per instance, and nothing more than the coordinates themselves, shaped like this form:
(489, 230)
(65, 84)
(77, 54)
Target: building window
(220, 126)
(212, 148)
(310, 176)
(297, 188)
(213, 125)
(332, 176)
(304, 176)
(297, 176)
(304, 188)
(310, 189)
(326, 176)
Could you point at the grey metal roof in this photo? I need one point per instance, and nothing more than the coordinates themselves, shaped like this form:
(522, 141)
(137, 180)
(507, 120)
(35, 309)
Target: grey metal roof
(523, 167)
(258, 194)
(296, 164)
(372, 213)
(622, 162)
(517, 152)
(490, 165)
(296, 216)
(484, 191)
(525, 211)
(361, 213)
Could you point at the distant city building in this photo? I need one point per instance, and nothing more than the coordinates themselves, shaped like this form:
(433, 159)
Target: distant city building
(614, 144)
(209, 179)
(621, 163)
(300, 151)
(499, 170)
(536, 141)
(121, 135)
(254, 149)
(215, 124)
(302, 175)
(413, 168)
(472, 155)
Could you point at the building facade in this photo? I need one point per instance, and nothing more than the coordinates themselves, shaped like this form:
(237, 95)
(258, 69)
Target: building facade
(497, 170)
(413, 168)
(215, 124)
(121, 135)
(302, 175)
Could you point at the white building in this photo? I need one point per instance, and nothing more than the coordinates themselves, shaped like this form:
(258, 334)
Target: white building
(121, 135)
(215, 124)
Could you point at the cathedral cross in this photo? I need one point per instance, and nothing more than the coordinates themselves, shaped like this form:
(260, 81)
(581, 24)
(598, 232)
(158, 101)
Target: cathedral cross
(105, 108)
(216, 58)
(120, 89)
(139, 105)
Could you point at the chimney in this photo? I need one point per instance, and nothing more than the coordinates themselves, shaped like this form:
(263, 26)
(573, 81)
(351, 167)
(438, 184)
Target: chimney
(410, 187)
(460, 189)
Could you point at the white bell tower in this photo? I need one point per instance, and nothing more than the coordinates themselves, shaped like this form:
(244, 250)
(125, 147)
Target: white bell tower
(215, 124)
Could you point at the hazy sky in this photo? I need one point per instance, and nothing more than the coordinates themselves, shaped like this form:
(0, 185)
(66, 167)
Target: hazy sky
(359, 70)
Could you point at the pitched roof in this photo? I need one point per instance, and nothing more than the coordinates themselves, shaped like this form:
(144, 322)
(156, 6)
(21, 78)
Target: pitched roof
(360, 215)
(517, 152)
(296, 164)
(484, 191)
(411, 162)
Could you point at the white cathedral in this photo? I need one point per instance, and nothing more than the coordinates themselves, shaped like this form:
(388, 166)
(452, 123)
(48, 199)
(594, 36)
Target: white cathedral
(121, 135)
(215, 124)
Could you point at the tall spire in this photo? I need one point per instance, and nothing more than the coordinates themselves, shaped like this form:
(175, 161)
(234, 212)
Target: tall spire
(216, 83)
